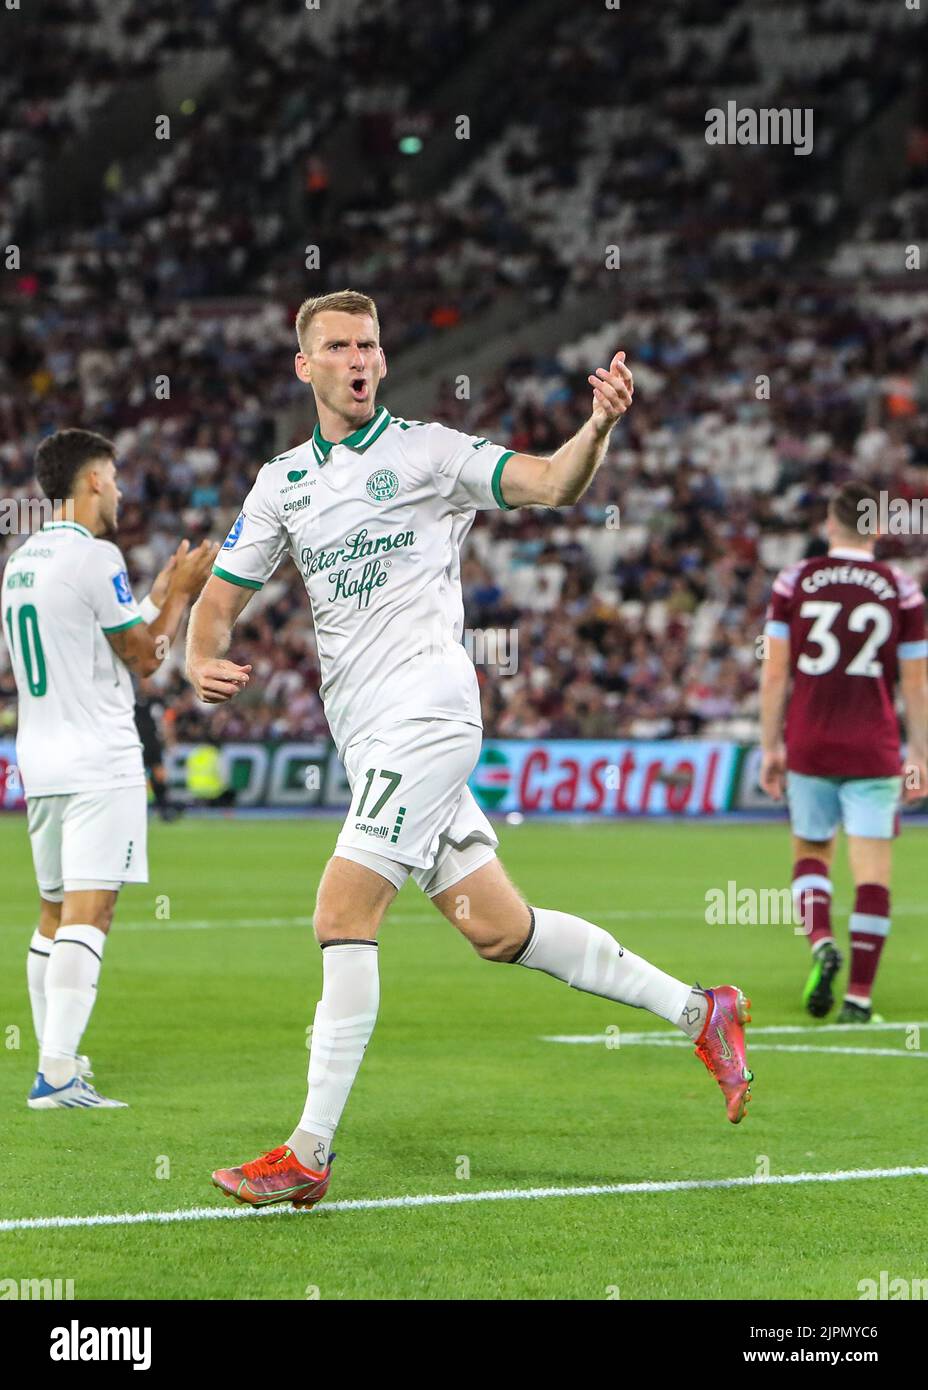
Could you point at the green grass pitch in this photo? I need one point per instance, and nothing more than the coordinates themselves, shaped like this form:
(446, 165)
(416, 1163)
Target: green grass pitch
(201, 1027)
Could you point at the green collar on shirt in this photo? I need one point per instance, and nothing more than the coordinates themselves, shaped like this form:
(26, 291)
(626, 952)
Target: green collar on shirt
(73, 525)
(362, 438)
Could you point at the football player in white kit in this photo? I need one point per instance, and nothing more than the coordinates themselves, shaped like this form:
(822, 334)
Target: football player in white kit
(74, 632)
(373, 511)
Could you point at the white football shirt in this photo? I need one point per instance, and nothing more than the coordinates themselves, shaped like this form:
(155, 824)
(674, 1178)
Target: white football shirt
(375, 525)
(63, 590)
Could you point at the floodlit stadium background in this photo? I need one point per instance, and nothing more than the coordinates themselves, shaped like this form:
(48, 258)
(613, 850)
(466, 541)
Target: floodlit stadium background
(522, 193)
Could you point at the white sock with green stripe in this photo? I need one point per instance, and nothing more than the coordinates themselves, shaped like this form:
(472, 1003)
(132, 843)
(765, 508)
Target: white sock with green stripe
(342, 1028)
(70, 994)
(588, 958)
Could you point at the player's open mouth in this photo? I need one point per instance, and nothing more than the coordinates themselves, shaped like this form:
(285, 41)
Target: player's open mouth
(359, 388)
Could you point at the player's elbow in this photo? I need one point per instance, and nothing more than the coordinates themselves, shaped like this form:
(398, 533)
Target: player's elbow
(145, 657)
(144, 665)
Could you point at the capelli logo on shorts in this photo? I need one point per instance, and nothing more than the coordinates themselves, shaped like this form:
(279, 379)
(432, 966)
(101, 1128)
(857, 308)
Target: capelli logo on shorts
(379, 832)
(76, 1343)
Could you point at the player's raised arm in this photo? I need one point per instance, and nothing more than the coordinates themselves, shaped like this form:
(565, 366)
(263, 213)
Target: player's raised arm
(249, 556)
(563, 478)
(142, 646)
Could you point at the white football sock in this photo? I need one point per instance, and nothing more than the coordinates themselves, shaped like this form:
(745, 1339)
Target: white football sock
(70, 994)
(36, 965)
(588, 958)
(342, 1028)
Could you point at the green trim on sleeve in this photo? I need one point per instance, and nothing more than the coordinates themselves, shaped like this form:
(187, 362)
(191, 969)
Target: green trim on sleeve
(234, 579)
(121, 627)
(497, 476)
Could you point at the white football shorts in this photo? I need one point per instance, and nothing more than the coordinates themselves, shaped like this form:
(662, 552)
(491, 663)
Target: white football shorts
(89, 840)
(412, 811)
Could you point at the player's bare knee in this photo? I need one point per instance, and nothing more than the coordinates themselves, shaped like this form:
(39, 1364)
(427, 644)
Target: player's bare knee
(497, 944)
(90, 909)
(500, 949)
(49, 917)
(101, 918)
(337, 922)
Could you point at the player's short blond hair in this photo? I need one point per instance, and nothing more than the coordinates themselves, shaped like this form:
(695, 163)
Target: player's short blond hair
(341, 301)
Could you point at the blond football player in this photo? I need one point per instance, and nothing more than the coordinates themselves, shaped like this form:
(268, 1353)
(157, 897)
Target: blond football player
(373, 511)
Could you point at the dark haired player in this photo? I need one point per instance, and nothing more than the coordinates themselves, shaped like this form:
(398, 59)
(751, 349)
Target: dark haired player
(75, 632)
(843, 627)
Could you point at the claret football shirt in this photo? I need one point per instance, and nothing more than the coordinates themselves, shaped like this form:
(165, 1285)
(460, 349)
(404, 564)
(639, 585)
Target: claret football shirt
(375, 526)
(849, 620)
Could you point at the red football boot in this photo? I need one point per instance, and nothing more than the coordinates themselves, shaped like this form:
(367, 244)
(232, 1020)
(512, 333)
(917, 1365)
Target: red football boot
(274, 1177)
(721, 1047)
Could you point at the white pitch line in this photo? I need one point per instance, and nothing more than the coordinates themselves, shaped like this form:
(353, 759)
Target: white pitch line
(688, 911)
(846, 1051)
(242, 923)
(656, 1034)
(511, 1194)
(224, 923)
(795, 1047)
(213, 924)
(233, 923)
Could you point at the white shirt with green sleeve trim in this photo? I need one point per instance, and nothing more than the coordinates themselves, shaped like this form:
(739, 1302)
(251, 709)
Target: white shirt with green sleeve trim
(375, 525)
(63, 591)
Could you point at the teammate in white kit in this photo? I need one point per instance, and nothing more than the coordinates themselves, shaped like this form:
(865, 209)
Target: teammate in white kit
(373, 510)
(74, 632)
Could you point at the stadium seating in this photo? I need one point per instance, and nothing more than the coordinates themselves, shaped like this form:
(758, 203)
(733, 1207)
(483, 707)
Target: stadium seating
(734, 271)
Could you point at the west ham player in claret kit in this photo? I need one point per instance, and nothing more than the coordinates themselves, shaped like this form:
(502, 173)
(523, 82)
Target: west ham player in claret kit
(373, 510)
(842, 628)
(75, 632)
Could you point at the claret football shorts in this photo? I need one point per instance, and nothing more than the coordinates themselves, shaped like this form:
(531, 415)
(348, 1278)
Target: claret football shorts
(412, 811)
(89, 840)
(865, 806)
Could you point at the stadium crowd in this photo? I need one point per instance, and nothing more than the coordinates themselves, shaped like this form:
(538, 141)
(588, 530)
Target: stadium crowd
(636, 612)
(766, 369)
